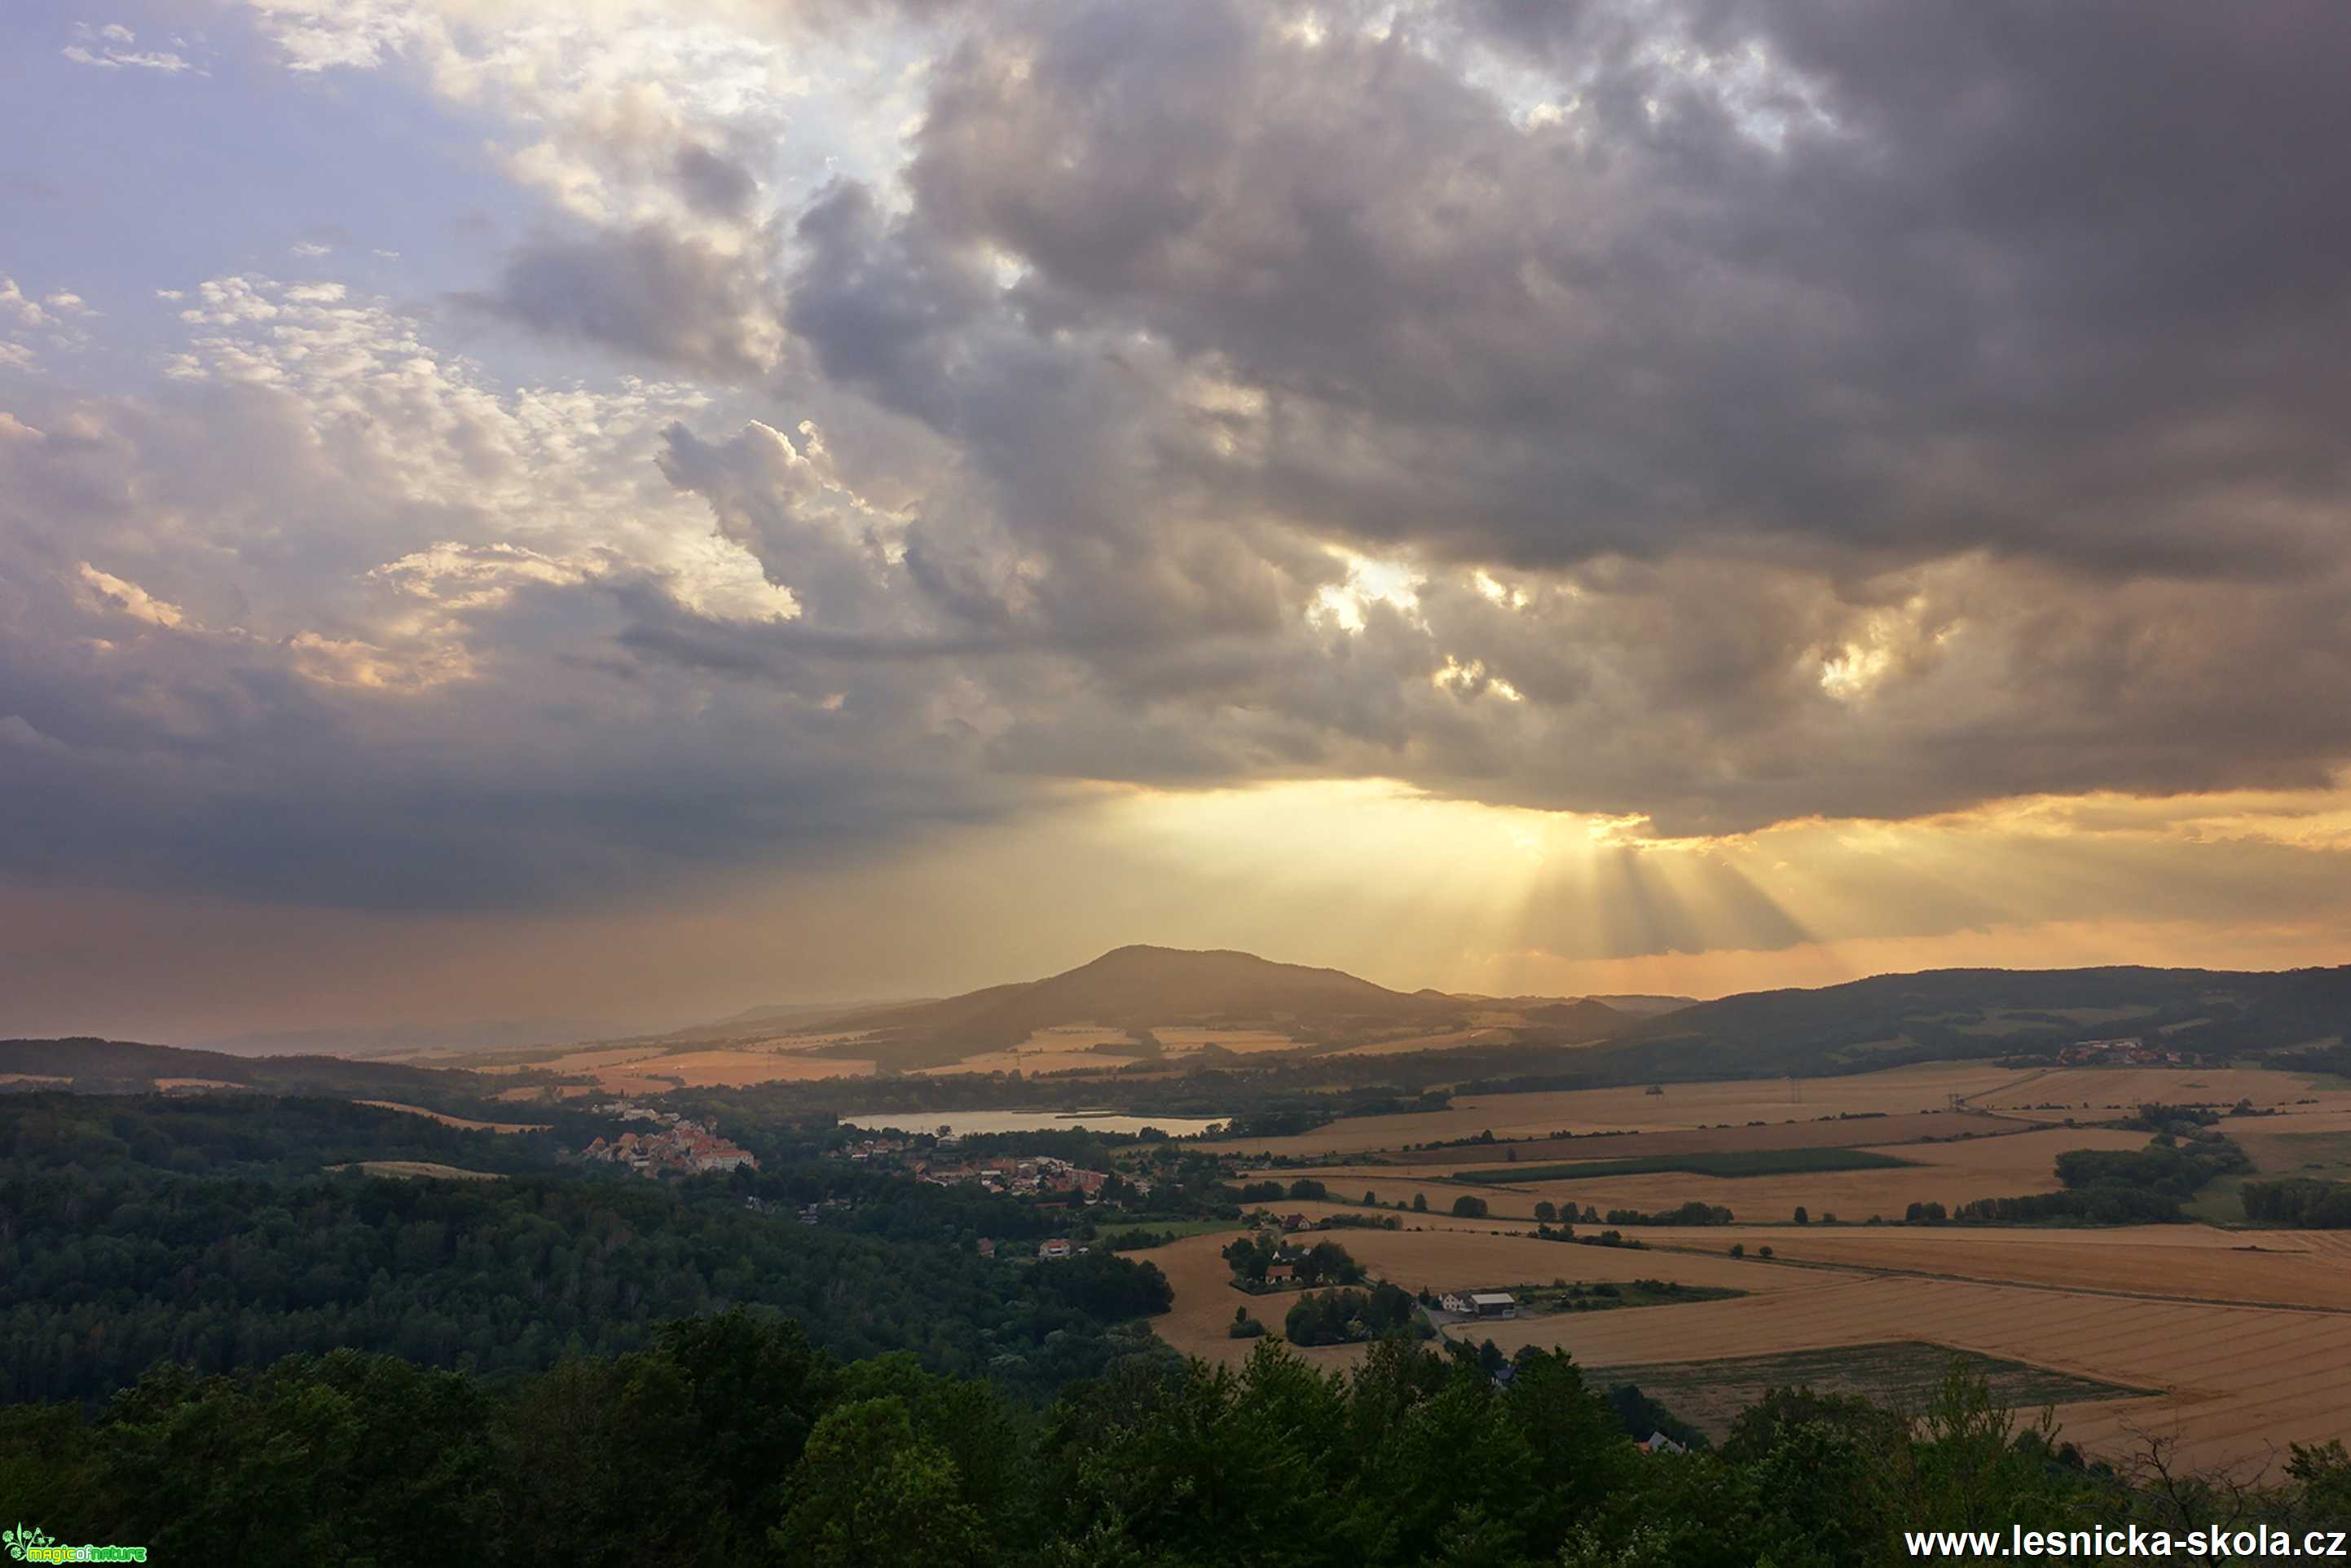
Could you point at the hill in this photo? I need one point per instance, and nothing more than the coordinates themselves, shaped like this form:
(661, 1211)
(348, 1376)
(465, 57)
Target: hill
(93, 1066)
(1143, 988)
(1945, 1014)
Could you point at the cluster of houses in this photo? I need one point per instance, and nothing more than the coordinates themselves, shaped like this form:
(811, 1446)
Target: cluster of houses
(677, 1148)
(2129, 1052)
(1479, 1303)
(1022, 1175)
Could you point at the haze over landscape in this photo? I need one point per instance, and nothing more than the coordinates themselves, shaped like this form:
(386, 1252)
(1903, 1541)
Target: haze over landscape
(1352, 783)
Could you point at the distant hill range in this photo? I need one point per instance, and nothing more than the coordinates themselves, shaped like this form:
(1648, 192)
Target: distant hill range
(1884, 1020)
(93, 1066)
(411, 1041)
(1943, 1014)
(2303, 1016)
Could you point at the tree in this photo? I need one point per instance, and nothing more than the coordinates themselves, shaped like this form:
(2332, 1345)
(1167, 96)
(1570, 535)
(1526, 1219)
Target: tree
(1468, 1207)
(870, 1491)
(1420, 1203)
(1546, 1211)
(1802, 1217)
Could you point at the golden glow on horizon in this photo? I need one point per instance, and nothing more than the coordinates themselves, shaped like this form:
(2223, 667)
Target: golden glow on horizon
(1408, 886)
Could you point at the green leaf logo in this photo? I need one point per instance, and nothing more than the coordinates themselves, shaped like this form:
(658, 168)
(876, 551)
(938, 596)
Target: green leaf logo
(24, 1538)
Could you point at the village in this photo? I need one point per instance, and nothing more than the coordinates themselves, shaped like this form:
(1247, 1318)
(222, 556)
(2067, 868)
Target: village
(1021, 1176)
(680, 1147)
(2128, 1052)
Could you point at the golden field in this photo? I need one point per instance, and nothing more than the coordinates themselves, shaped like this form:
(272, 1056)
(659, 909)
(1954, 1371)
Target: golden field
(1950, 1174)
(1928, 1087)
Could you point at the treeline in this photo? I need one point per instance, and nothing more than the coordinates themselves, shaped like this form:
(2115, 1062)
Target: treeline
(2303, 1203)
(2121, 1186)
(731, 1442)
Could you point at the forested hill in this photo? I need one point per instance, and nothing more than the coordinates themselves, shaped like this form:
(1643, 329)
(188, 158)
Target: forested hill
(1942, 1014)
(120, 1066)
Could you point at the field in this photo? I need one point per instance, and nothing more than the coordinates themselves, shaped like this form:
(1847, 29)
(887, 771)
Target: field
(2324, 1155)
(1904, 1374)
(2100, 1088)
(1734, 1164)
(1946, 1172)
(1727, 1109)
(1449, 1041)
(1440, 1257)
(1179, 1041)
(418, 1168)
(1905, 1089)
(2234, 1381)
(447, 1121)
(2235, 1341)
(2238, 1383)
(1820, 1133)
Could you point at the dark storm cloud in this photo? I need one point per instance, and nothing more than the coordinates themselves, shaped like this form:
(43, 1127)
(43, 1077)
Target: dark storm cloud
(2043, 282)
(716, 185)
(672, 299)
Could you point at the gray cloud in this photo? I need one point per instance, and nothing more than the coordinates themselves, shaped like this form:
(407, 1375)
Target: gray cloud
(672, 299)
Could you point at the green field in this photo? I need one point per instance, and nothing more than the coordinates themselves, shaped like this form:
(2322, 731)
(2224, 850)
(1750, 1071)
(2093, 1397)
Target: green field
(1736, 1162)
(417, 1169)
(1904, 1374)
(2276, 1155)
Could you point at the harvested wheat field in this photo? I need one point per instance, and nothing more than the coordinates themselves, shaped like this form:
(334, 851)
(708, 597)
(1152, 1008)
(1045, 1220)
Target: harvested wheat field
(1829, 1132)
(1950, 1174)
(1449, 1041)
(2103, 1089)
(2190, 1262)
(1204, 1300)
(1180, 1040)
(2238, 1383)
(448, 1121)
(1449, 1258)
(1926, 1087)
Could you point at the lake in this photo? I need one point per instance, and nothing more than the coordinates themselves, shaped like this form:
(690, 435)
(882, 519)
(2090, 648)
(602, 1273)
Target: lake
(1027, 1122)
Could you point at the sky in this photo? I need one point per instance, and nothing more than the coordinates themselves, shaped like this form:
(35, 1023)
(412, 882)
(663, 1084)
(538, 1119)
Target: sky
(628, 510)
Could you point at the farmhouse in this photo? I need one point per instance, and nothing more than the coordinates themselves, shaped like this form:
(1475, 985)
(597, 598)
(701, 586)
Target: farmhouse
(1275, 1273)
(1057, 1247)
(1658, 1443)
(1493, 1305)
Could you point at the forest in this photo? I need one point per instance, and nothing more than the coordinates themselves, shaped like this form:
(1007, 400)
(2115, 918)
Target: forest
(113, 1257)
(732, 1440)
